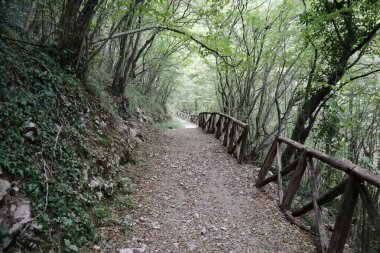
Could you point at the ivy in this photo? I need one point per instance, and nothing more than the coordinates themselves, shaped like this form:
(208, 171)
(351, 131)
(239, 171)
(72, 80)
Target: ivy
(34, 93)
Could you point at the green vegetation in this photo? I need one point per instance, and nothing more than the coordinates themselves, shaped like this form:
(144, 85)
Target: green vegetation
(74, 71)
(36, 102)
(170, 124)
(145, 102)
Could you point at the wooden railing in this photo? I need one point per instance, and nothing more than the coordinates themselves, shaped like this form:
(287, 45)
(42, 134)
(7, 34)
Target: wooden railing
(233, 131)
(183, 115)
(351, 187)
(194, 119)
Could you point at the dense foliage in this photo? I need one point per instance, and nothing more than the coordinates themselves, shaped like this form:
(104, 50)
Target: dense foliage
(304, 69)
(32, 112)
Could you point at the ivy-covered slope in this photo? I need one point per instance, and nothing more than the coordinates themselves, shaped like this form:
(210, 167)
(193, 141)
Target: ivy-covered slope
(60, 153)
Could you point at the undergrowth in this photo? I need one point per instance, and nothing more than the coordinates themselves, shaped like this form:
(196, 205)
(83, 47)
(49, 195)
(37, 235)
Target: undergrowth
(42, 143)
(146, 102)
(169, 124)
(97, 81)
(47, 117)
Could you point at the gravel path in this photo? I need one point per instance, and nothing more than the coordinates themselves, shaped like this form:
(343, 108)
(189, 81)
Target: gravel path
(196, 198)
(185, 123)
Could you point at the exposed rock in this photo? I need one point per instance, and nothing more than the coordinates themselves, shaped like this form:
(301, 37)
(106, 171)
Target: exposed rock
(138, 140)
(136, 239)
(147, 118)
(21, 215)
(85, 173)
(4, 186)
(29, 136)
(133, 250)
(134, 132)
(97, 249)
(95, 183)
(136, 135)
(31, 125)
(13, 191)
(103, 124)
(155, 225)
(192, 246)
(30, 131)
(35, 226)
(99, 195)
(108, 188)
(122, 128)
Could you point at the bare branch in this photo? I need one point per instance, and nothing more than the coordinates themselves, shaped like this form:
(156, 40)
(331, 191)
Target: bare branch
(160, 28)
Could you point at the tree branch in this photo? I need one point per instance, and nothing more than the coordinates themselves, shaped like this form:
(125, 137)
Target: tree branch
(22, 41)
(363, 75)
(366, 40)
(160, 28)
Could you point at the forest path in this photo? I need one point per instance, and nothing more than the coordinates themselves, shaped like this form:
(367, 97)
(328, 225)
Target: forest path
(196, 198)
(185, 123)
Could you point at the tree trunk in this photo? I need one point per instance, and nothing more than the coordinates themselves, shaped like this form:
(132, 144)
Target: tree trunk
(337, 56)
(30, 16)
(73, 28)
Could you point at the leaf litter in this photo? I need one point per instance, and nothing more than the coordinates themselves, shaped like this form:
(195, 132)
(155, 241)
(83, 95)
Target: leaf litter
(192, 196)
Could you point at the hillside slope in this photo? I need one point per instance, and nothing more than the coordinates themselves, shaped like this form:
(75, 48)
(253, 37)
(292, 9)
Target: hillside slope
(62, 148)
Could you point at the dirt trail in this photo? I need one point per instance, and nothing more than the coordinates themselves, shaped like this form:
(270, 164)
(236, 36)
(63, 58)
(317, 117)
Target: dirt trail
(196, 198)
(185, 123)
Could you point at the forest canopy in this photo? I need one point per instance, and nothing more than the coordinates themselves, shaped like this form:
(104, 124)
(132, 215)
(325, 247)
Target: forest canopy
(305, 69)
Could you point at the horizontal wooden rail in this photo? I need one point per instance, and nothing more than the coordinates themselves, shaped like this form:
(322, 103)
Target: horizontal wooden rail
(351, 187)
(194, 119)
(233, 131)
(242, 124)
(339, 164)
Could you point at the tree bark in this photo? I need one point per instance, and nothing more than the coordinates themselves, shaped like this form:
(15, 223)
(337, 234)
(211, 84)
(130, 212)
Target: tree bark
(73, 27)
(338, 59)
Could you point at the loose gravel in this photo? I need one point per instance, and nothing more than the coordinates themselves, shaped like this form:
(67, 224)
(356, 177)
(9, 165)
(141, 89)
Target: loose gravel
(196, 198)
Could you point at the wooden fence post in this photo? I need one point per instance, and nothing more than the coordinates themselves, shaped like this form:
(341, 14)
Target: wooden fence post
(317, 208)
(343, 221)
(231, 137)
(219, 125)
(211, 125)
(225, 131)
(267, 163)
(279, 177)
(294, 182)
(214, 123)
(370, 205)
(242, 145)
